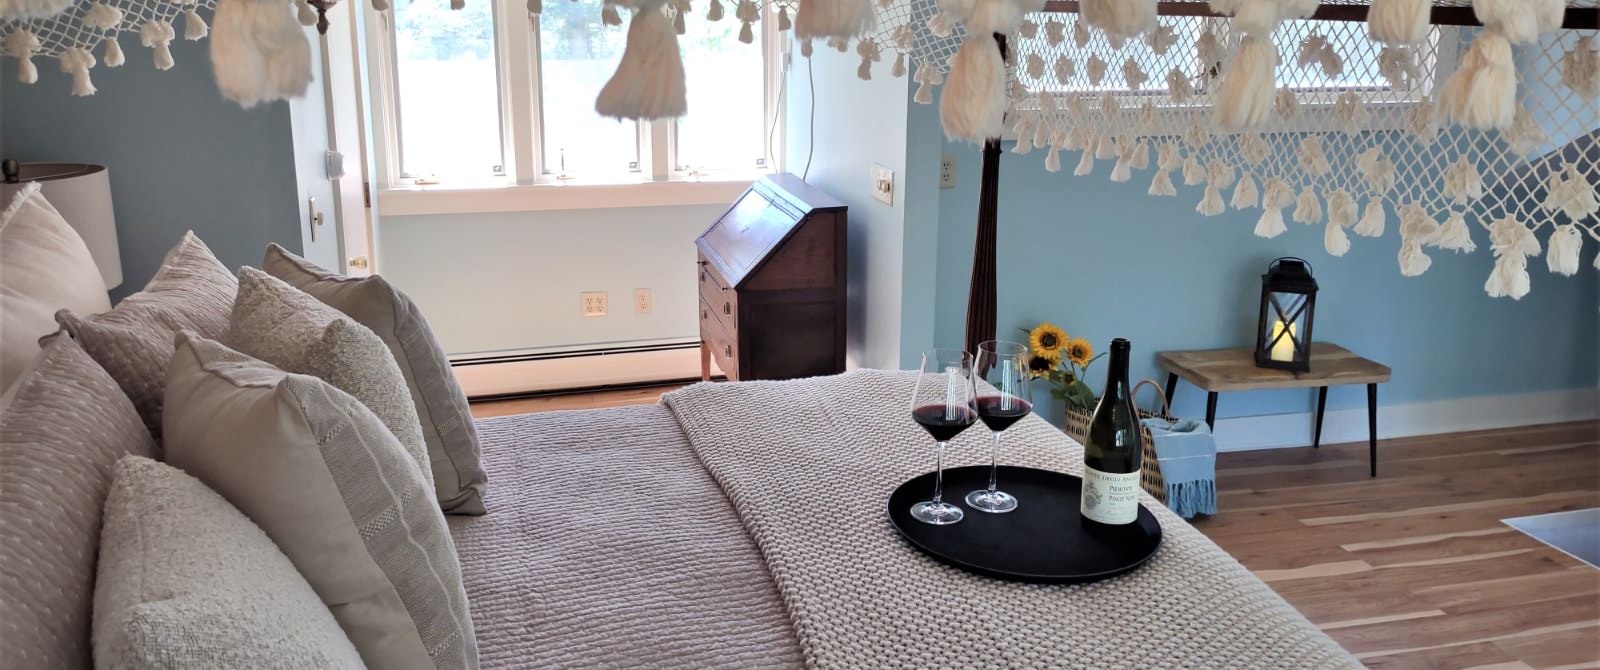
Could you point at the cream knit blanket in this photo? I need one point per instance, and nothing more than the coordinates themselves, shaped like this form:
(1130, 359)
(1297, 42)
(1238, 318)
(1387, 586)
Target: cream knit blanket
(809, 464)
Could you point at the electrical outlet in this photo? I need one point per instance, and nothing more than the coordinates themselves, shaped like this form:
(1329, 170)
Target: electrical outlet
(641, 301)
(947, 171)
(594, 303)
(883, 184)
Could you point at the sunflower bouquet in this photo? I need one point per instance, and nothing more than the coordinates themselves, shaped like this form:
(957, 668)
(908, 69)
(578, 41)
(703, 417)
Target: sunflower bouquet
(1062, 361)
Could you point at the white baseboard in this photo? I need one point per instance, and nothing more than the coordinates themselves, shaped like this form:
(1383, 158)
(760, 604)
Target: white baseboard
(1423, 418)
(493, 379)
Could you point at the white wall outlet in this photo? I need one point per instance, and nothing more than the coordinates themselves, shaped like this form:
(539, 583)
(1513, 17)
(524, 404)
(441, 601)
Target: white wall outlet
(594, 303)
(883, 184)
(641, 301)
(947, 171)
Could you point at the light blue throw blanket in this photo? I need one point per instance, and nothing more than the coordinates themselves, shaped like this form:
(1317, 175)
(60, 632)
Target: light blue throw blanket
(1188, 457)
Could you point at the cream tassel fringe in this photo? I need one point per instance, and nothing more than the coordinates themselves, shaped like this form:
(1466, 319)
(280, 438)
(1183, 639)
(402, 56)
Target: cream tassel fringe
(1245, 194)
(1334, 239)
(1398, 22)
(102, 16)
(1521, 21)
(1052, 158)
(1277, 196)
(1193, 174)
(195, 28)
(973, 106)
(1372, 220)
(1308, 209)
(1566, 244)
(1085, 163)
(158, 35)
(1211, 204)
(649, 81)
(1454, 235)
(1462, 183)
(77, 61)
(839, 19)
(1482, 93)
(1512, 244)
(21, 44)
(1412, 261)
(308, 16)
(1161, 184)
(259, 52)
(1341, 214)
(1572, 196)
(1246, 96)
(113, 54)
(1125, 19)
(1580, 68)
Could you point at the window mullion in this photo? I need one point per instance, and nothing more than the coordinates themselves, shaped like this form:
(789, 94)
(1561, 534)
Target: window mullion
(518, 67)
(658, 141)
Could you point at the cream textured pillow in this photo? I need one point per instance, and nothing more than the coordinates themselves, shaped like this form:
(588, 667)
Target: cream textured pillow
(44, 266)
(316, 470)
(284, 326)
(65, 428)
(447, 427)
(186, 581)
(190, 291)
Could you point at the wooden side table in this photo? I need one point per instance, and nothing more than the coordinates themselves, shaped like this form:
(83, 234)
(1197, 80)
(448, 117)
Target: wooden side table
(1219, 370)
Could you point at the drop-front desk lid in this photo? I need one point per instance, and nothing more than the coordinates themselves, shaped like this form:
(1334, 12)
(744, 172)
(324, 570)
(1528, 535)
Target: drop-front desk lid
(761, 218)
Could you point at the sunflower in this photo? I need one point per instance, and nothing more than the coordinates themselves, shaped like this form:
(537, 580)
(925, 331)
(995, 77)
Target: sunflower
(1039, 366)
(1079, 351)
(1047, 340)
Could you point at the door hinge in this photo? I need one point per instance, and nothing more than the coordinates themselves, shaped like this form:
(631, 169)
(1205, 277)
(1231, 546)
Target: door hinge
(366, 195)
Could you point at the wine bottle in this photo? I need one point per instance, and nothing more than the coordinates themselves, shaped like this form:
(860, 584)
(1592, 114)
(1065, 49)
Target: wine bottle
(1112, 454)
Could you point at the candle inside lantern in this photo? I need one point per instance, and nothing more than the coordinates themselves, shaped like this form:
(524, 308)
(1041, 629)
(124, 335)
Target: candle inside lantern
(1282, 347)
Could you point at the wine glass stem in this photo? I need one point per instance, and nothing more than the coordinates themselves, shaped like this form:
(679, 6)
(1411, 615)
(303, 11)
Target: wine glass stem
(938, 477)
(994, 461)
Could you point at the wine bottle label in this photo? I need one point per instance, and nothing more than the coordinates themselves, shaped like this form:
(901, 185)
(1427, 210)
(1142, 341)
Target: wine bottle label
(1110, 498)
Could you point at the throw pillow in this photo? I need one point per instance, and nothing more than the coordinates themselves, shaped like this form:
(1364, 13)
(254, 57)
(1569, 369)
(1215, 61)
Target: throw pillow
(191, 290)
(447, 427)
(44, 266)
(186, 581)
(65, 428)
(323, 477)
(284, 326)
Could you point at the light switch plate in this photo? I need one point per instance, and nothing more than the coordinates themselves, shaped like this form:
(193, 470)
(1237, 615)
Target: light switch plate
(883, 184)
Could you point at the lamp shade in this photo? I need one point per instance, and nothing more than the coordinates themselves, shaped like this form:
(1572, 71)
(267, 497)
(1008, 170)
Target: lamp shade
(82, 194)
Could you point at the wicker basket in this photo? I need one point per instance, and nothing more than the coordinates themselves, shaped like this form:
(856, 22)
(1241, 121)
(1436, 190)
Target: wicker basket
(1077, 426)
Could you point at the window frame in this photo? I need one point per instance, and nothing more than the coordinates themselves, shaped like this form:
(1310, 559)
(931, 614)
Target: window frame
(526, 183)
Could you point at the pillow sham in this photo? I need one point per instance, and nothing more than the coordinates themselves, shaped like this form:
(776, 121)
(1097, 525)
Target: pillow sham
(446, 420)
(65, 428)
(191, 290)
(44, 266)
(187, 581)
(282, 325)
(323, 477)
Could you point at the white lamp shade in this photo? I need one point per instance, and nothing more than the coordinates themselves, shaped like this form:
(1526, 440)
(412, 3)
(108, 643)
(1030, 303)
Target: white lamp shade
(82, 194)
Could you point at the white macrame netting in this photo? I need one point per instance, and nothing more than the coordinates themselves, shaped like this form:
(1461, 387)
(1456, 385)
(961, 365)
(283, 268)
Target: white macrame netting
(143, 29)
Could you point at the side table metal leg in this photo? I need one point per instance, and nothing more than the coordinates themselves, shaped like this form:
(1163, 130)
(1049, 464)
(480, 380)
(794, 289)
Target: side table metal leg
(1172, 385)
(1211, 410)
(1372, 426)
(1322, 404)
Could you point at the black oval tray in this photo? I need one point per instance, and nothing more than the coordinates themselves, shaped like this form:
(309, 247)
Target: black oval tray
(1043, 540)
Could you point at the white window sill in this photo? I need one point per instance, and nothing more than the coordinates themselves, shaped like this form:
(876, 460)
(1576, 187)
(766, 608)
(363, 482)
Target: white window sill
(479, 199)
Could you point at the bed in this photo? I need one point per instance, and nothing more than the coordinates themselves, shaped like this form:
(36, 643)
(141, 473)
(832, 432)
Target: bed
(741, 525)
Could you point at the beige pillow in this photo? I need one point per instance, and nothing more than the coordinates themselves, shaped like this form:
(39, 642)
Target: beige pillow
(447, 427)
(284, 326)
(44, 266)
(316, 470)
(65, 428)
(190, 291)
(186, 581)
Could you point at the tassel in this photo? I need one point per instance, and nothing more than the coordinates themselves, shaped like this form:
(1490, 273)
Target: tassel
(1211, 203)
(1210, 52)
(114, 56)
(1078, 140)
(1580, 68)
(1398, 65)
(1351, 112)
(1065, 69)
(1482, 92)
(1035, 66)
(1193, 174)
(1286, 104)
(748, 35)
(308, 16)
(158, 35)
(1378, 170)
(899, 68)
(974, 102)
(1372, 220)
(1024, 133)
(1052, 157)
(1244, 195)
(1161, 40)
(1041, 133)
(102, 16)
(1085, 163)
(1141, 156)
(1509, 278)
(1162, 184)
(1028, 30)
(839, 19)
(1454, 235)
(1416, 225)
(1412, 261)
(1096, 69)
(535, 7)
(1341, 209)
(1334, 240)
(1246, 95)
(609, 15)
(1055, 33)
(1276, 197)
(1310, 50)
(1220, 174)
(926, 78)
(458, 5)
(649, 82)
(1197, 135)
(194, 27)
(380, 5)
(259, 52)
(1254, 149)
(1521, 21)
(1525, 134)
(1178, 86)
(1106, 149)
(1312, 158)
(1121, 172)
(1462, 183)
(1080, 34)
(1571, 196)
(1422, 122)
(714, 12)
(870, 53)
(783, 19)
(1509, 236)
(1398, 22)
(1307, 209)
(903, 37)
(21, 45)
(1566, 243)
(1132, 75)
(1122, 19)
(77, 61)
(1167, 157)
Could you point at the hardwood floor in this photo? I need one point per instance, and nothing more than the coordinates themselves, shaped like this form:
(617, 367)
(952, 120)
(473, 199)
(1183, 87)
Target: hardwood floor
(1412, 569)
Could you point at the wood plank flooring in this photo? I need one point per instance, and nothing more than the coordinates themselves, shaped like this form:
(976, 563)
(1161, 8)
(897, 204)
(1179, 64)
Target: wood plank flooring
(1410, 570)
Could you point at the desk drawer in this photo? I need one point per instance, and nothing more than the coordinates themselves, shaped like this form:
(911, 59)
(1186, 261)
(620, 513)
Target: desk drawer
(722, 340)
(716, 293)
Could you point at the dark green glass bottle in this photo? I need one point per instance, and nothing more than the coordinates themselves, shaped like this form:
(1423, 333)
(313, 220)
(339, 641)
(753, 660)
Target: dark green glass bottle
(1112, 454)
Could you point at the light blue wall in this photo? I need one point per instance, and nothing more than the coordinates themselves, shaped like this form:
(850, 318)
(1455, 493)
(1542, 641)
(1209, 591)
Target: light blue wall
(1107, 260)
(180, 156)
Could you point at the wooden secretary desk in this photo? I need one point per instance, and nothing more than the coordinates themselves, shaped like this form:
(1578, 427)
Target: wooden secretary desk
(772, 284)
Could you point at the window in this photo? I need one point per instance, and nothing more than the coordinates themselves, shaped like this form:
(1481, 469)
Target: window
(488, 94)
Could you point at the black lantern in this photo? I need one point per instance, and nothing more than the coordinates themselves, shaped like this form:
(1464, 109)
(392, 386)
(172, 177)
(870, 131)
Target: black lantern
(1288, 302)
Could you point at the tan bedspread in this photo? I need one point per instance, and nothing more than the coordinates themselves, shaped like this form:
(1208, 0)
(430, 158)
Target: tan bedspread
(607, 545)
(808, 464)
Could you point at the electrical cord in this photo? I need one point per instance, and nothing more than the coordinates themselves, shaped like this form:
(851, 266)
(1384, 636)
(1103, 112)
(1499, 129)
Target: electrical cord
(811, 143)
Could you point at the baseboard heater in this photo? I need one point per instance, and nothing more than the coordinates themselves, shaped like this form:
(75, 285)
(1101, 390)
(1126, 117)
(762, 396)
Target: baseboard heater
(534, 373)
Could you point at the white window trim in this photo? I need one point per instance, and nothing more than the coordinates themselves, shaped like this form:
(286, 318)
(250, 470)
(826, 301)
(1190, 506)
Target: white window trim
(526, 186)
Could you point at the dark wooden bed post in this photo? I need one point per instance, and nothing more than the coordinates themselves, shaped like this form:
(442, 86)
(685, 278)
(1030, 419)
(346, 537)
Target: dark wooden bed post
(981, 295)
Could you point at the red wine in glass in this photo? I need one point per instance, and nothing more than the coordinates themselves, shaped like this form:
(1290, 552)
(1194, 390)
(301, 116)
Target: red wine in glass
(1003, 367)
(944, 423)
(942, 404)
(999, 411)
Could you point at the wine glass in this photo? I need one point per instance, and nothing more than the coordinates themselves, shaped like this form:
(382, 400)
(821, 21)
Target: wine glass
(942, 405)
(1002, 402)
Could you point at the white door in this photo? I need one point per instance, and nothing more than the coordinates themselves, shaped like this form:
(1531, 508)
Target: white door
(344, 82)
